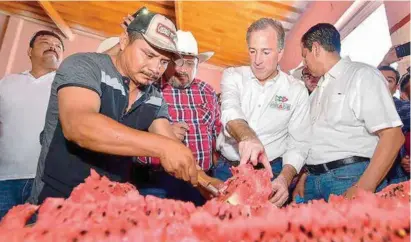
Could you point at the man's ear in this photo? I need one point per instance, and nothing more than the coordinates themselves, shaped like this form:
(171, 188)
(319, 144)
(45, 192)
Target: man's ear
(316, 49)
(280, 55)
(124, 40)
(29, 52)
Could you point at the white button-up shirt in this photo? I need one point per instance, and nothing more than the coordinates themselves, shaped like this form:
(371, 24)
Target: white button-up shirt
(350, 103)
(23, 104)
(277, 111)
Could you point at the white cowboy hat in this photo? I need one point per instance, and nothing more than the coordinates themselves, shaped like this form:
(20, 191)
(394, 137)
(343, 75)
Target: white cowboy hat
(107, 44)
(187, 45)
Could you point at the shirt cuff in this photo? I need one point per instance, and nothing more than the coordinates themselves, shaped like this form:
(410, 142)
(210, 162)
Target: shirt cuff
(294, 159)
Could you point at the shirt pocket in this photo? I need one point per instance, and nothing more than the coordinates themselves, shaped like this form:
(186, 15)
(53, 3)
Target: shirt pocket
(334, 108)
(192, 113)
(205, 116)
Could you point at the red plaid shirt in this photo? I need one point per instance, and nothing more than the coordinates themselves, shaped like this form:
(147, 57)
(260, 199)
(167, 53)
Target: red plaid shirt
(198, 106)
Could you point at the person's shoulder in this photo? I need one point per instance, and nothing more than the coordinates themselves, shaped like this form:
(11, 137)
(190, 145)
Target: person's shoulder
(155, 97)
(237, 74)
(293, 82)
(403, 103)
(88, 57)
(14, 76)
(153, 91)
(360, 68)
(204, 86)
(237, 71)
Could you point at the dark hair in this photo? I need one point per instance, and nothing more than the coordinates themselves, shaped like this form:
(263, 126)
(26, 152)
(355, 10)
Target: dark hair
(43, 33)
(405, 79)
(324, 34)
(134, 35)
(264, 23)
(389, 68)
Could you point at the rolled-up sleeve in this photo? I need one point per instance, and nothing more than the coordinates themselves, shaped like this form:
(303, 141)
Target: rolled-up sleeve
(299, 129)
(374, 103)
(230, 97)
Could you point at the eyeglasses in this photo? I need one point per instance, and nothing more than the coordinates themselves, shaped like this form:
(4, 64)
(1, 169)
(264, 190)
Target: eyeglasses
(191, 63)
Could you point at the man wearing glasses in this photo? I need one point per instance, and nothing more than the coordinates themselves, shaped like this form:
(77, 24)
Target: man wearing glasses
(195, 113)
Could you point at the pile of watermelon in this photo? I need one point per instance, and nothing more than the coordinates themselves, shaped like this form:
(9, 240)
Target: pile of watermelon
(102, 210)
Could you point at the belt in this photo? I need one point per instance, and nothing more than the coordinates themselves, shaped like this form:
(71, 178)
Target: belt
(323, 168)
(236, 163)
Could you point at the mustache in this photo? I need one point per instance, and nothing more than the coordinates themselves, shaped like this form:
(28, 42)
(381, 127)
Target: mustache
(182, 74)
(153, 76)
(51, 50)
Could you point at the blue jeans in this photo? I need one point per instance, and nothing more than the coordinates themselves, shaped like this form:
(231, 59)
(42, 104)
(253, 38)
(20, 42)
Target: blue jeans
(12, 193)
(397, 174)
(222, 170)
(157, 192)
(164, 185)
(335, 181)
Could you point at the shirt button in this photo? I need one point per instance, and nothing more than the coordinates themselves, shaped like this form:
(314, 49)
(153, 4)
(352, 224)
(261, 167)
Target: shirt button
(259, 105)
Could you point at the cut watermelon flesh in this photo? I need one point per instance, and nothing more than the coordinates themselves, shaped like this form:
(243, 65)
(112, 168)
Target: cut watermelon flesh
(117, 212)
(247, 191)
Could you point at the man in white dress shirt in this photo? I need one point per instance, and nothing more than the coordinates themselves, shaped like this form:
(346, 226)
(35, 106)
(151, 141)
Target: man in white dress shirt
(23, 103)
(265, 112)
(356, 131)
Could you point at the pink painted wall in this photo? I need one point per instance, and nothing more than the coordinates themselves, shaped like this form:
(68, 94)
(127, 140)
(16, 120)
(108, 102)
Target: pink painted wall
(316, 12)
(3, 21)
(17, 33)
(396, 10)
(330, 12)
(210, 74)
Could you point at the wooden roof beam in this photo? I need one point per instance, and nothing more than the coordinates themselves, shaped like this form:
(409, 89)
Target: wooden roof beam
(57, 19)
(178, 8)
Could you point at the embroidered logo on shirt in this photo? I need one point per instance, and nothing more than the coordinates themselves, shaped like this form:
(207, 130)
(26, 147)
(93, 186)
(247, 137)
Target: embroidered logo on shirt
(280, 102)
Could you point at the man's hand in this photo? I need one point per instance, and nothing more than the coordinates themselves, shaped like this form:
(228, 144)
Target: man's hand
(180, 129)
(213, 181)
(280, 191)
(252, 150)
(178, 160)
(351, 192)
(127, 21)
(390, 57)
(299, 188)
(405, 163)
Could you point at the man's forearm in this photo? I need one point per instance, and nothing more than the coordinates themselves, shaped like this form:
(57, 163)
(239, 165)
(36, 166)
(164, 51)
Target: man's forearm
(240, 130)
(99, 133)
(387, 149)
(288, 172)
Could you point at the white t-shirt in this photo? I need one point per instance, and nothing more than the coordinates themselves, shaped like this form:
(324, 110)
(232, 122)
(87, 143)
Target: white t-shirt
(350, 103)
(23, 104)
(277, 111)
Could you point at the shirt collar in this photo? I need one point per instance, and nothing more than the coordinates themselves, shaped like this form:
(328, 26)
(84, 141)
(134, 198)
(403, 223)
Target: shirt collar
(338, 68)
(271, 80)
(27, 73)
